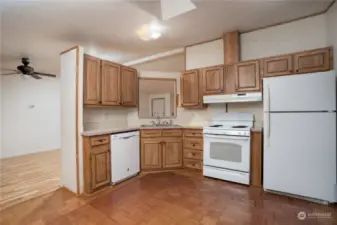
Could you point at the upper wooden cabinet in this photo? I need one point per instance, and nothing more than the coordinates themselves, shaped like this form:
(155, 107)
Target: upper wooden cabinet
(277, 66)
(313, 61)
(92, 80)
(213, 80)
(110, 83)
(172, 153)
(129, 85)
(248, 76)
(190, 89)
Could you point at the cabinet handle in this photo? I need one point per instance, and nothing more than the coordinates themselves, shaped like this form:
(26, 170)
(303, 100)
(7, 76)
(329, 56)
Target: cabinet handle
(297, 70)
(193, 145)
(193, 154)
(100, 102)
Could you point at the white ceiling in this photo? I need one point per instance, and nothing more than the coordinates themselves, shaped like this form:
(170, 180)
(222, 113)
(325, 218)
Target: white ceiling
(42, 29)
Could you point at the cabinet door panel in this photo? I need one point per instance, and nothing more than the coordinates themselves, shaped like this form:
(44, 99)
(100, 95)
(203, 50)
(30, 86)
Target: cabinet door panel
(312, 61)
(172, 153)
(248, 76)
(129, 87)
(100, 167)
(92, 80)
(110, 83)
(213, 80)
(278, 66)
(151, 154)
(189, 85)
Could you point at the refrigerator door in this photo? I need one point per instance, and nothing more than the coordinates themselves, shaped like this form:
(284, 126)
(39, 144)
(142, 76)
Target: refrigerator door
(300, 155)
(306, 92)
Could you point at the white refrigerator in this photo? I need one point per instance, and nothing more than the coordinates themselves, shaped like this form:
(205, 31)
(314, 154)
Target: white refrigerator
(299, 155)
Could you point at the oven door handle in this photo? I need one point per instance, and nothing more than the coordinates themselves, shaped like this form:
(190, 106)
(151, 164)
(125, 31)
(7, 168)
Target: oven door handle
(226, 137)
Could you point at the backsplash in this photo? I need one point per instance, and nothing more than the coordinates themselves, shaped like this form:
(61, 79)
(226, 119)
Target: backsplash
(96, 118)
(201, 117)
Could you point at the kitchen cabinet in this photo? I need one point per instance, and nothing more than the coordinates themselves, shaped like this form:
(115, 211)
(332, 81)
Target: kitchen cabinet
(256, 158)
(213, 80)
(110, 83)
(230, 79)
(161, 149)
(313, 61)
(92, 80)
(96, 157)
(277, 66)
(172, 153)
(248, 76)
(190, 89)
(151, 153)
(129, 86)
(193, 148)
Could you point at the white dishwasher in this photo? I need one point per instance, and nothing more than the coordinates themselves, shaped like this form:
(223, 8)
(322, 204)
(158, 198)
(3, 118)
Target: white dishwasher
(124, 156)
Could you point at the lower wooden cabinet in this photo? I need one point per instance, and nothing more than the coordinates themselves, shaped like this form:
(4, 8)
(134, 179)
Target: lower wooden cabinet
(161, 149)
(151, 153)
(96, 156)
(256, 150)
(193, 149)
(172, 153)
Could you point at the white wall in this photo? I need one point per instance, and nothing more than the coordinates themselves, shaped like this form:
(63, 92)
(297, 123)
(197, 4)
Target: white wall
(30, 115)
(296, 36)
(204, 55)
(332, 30)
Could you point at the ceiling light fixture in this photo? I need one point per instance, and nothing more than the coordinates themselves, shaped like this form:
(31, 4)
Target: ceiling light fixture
(151, 31)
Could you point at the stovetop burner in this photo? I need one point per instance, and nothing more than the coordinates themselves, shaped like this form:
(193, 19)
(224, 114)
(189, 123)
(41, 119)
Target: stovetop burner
(239, 126)
(216, 125)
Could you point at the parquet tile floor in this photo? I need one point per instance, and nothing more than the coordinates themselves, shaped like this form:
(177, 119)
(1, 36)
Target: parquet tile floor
(170, 198)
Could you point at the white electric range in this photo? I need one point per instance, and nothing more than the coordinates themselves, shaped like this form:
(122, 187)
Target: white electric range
(227, 147)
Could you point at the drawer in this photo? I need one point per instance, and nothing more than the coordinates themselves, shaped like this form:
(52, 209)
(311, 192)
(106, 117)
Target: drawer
(193, 143)
(193, 154)
(172, 133)
(99, 140)
(193, 164)
(151, 133)
(193, 133)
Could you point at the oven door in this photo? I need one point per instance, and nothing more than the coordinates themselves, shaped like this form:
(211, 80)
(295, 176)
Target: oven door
(230, 152)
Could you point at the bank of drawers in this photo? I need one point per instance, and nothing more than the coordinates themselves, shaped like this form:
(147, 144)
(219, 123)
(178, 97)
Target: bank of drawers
(193, 149)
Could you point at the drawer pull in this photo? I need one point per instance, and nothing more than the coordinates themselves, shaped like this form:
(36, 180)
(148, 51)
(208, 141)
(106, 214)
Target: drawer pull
(193, 154)
(193, 133)
(193, 145)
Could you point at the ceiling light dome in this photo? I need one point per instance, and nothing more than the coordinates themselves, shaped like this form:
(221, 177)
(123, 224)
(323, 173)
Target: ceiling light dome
(151, 31)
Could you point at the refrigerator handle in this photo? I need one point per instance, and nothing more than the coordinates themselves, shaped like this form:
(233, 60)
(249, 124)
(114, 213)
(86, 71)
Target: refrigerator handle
(267, 122)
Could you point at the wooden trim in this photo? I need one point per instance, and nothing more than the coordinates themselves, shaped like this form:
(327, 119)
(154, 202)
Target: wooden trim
(203, 42)
(77, 122)
(231, 44)
(185, 58)
(69, 49)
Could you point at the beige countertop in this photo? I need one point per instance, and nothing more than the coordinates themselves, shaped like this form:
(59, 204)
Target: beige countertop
(96, 132)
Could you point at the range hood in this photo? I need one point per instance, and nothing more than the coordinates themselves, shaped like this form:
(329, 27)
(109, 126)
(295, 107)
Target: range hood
(241, 97)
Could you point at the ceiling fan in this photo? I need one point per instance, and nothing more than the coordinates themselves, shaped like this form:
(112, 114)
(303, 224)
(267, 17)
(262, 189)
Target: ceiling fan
(27, 70)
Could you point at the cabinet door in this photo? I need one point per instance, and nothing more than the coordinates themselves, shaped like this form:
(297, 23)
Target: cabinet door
(129, 86)
(278, 66)
(172, 153)
(313, 61)
(100, 166)
(92, 80)
(229, 79)
(213, 80)
(248, 76)
(110, 83)
(190, 89)
(151, 153)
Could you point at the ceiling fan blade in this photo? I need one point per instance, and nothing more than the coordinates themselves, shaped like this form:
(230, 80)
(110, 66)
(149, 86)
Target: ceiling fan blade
(35, 76)
(45, 74)
(3, 69)
(4, 74)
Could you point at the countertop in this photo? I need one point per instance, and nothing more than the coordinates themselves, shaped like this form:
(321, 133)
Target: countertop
(96, 132)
